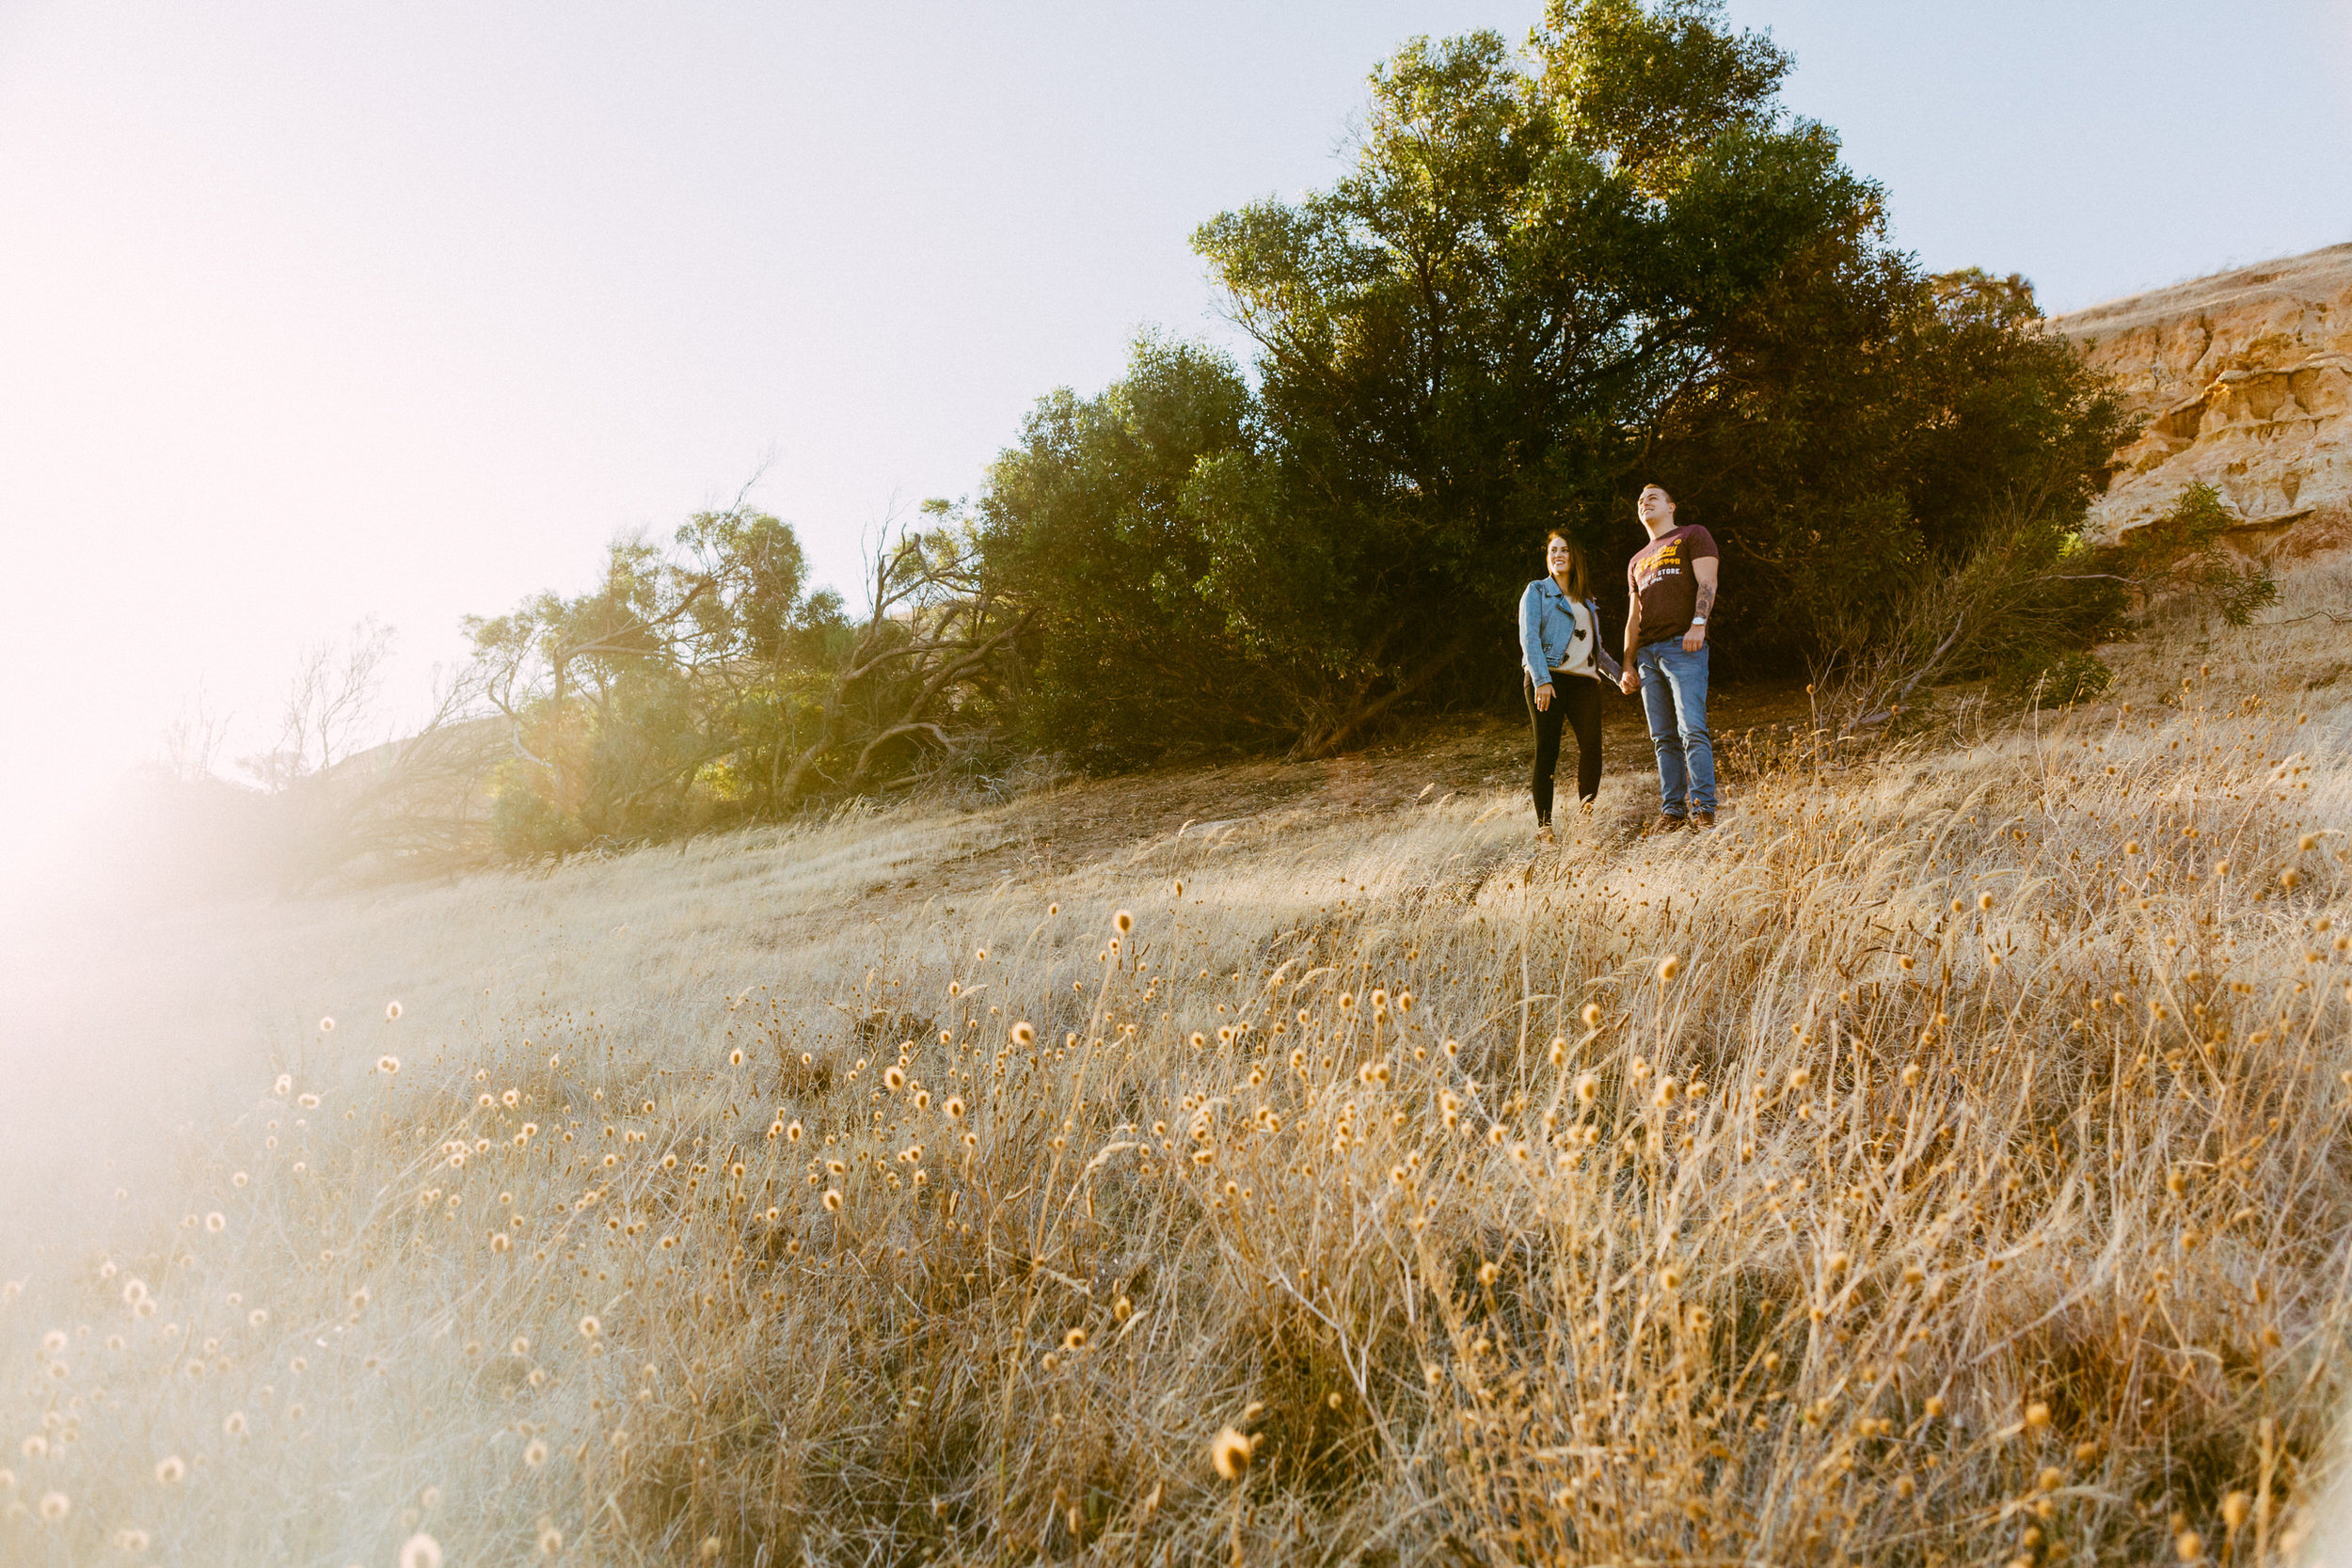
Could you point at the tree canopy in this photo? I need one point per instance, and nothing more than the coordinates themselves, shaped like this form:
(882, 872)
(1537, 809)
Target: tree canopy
(1550, 277)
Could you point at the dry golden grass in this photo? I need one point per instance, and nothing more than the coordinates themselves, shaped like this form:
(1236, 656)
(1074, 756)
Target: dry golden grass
(1944, 1162)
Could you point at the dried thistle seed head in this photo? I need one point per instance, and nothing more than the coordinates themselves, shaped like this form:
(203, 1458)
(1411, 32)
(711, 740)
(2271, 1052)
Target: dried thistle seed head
(1669, 966)
(893, 1079)
(1125, 922)
(590, 1328)
(1229, 1454)
(832, 1200)
(2234, 1510)
(327, 1026)
(2037, 1415)
(387, 1065)
(1591, 1015)
(1024, 1034)
(420, 1551)
(1587, 1087)
(1074, 1339)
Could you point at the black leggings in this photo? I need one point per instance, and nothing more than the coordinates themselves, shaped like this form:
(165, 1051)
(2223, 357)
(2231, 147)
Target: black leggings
(1575, 699)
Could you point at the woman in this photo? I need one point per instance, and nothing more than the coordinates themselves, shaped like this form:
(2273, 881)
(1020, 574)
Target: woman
(1562, 666)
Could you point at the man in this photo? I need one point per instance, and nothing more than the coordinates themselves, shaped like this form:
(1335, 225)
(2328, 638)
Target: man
(1672, 579)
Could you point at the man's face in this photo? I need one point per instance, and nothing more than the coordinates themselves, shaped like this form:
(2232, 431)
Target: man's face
(1656, 506)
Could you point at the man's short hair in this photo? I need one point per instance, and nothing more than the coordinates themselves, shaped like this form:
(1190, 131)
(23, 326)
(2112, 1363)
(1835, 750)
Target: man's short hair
(1653, 484)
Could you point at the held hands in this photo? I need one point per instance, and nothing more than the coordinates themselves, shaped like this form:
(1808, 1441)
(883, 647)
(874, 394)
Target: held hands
(1544, 694)
(1630, 681)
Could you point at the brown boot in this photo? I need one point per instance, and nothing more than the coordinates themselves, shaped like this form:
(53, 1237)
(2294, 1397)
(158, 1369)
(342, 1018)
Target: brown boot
(1666, 823)
(1702, 819)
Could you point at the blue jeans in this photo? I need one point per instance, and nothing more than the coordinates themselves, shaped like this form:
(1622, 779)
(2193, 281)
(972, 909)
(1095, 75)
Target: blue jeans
(1674, 695)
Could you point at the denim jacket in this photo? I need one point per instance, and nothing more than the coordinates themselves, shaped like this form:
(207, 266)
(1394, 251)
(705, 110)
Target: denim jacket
(1557, 633)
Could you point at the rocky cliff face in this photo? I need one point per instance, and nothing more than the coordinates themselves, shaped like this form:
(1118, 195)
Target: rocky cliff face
(2245, 380)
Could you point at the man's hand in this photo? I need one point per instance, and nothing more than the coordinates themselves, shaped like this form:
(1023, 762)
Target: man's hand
(1693, 640)
(1630, 682)
(1544, 694)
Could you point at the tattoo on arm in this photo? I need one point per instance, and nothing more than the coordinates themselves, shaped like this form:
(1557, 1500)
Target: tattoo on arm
(1707, 600)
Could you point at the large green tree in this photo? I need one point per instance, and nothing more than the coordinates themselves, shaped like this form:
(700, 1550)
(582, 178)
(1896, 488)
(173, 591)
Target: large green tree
(1550, 277)
(1133, 653)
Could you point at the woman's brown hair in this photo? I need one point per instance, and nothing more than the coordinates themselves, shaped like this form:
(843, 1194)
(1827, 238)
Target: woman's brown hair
(1580, 577)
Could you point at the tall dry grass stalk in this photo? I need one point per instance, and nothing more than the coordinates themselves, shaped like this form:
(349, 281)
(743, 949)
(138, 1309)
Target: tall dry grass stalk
(1944, 1161)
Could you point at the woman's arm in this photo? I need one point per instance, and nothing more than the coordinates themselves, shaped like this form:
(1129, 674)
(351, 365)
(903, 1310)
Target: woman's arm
(1530, 636)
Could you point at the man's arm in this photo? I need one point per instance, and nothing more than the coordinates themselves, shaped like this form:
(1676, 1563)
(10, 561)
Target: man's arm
(1631, 678)
(1705, 569)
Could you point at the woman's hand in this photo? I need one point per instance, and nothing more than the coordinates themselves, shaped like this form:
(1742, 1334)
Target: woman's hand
(1544, 694)
(1630, 682)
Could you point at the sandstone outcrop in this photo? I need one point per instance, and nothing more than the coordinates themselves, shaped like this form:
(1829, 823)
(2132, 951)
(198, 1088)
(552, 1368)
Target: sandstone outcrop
(2243, 380)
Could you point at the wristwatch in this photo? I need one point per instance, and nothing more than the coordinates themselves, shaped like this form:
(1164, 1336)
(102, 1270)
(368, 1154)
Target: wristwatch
(1698, 620)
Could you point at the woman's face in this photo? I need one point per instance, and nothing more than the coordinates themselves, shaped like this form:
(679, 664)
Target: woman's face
(1557, 557)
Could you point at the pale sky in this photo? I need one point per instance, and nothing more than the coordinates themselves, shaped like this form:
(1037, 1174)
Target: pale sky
(311, 312)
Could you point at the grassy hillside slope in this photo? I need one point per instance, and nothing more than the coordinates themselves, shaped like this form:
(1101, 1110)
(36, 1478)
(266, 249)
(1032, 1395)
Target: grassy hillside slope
(1944, 1162)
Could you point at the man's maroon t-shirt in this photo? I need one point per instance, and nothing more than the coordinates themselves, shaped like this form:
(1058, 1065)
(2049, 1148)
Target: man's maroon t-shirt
(1661, 578)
